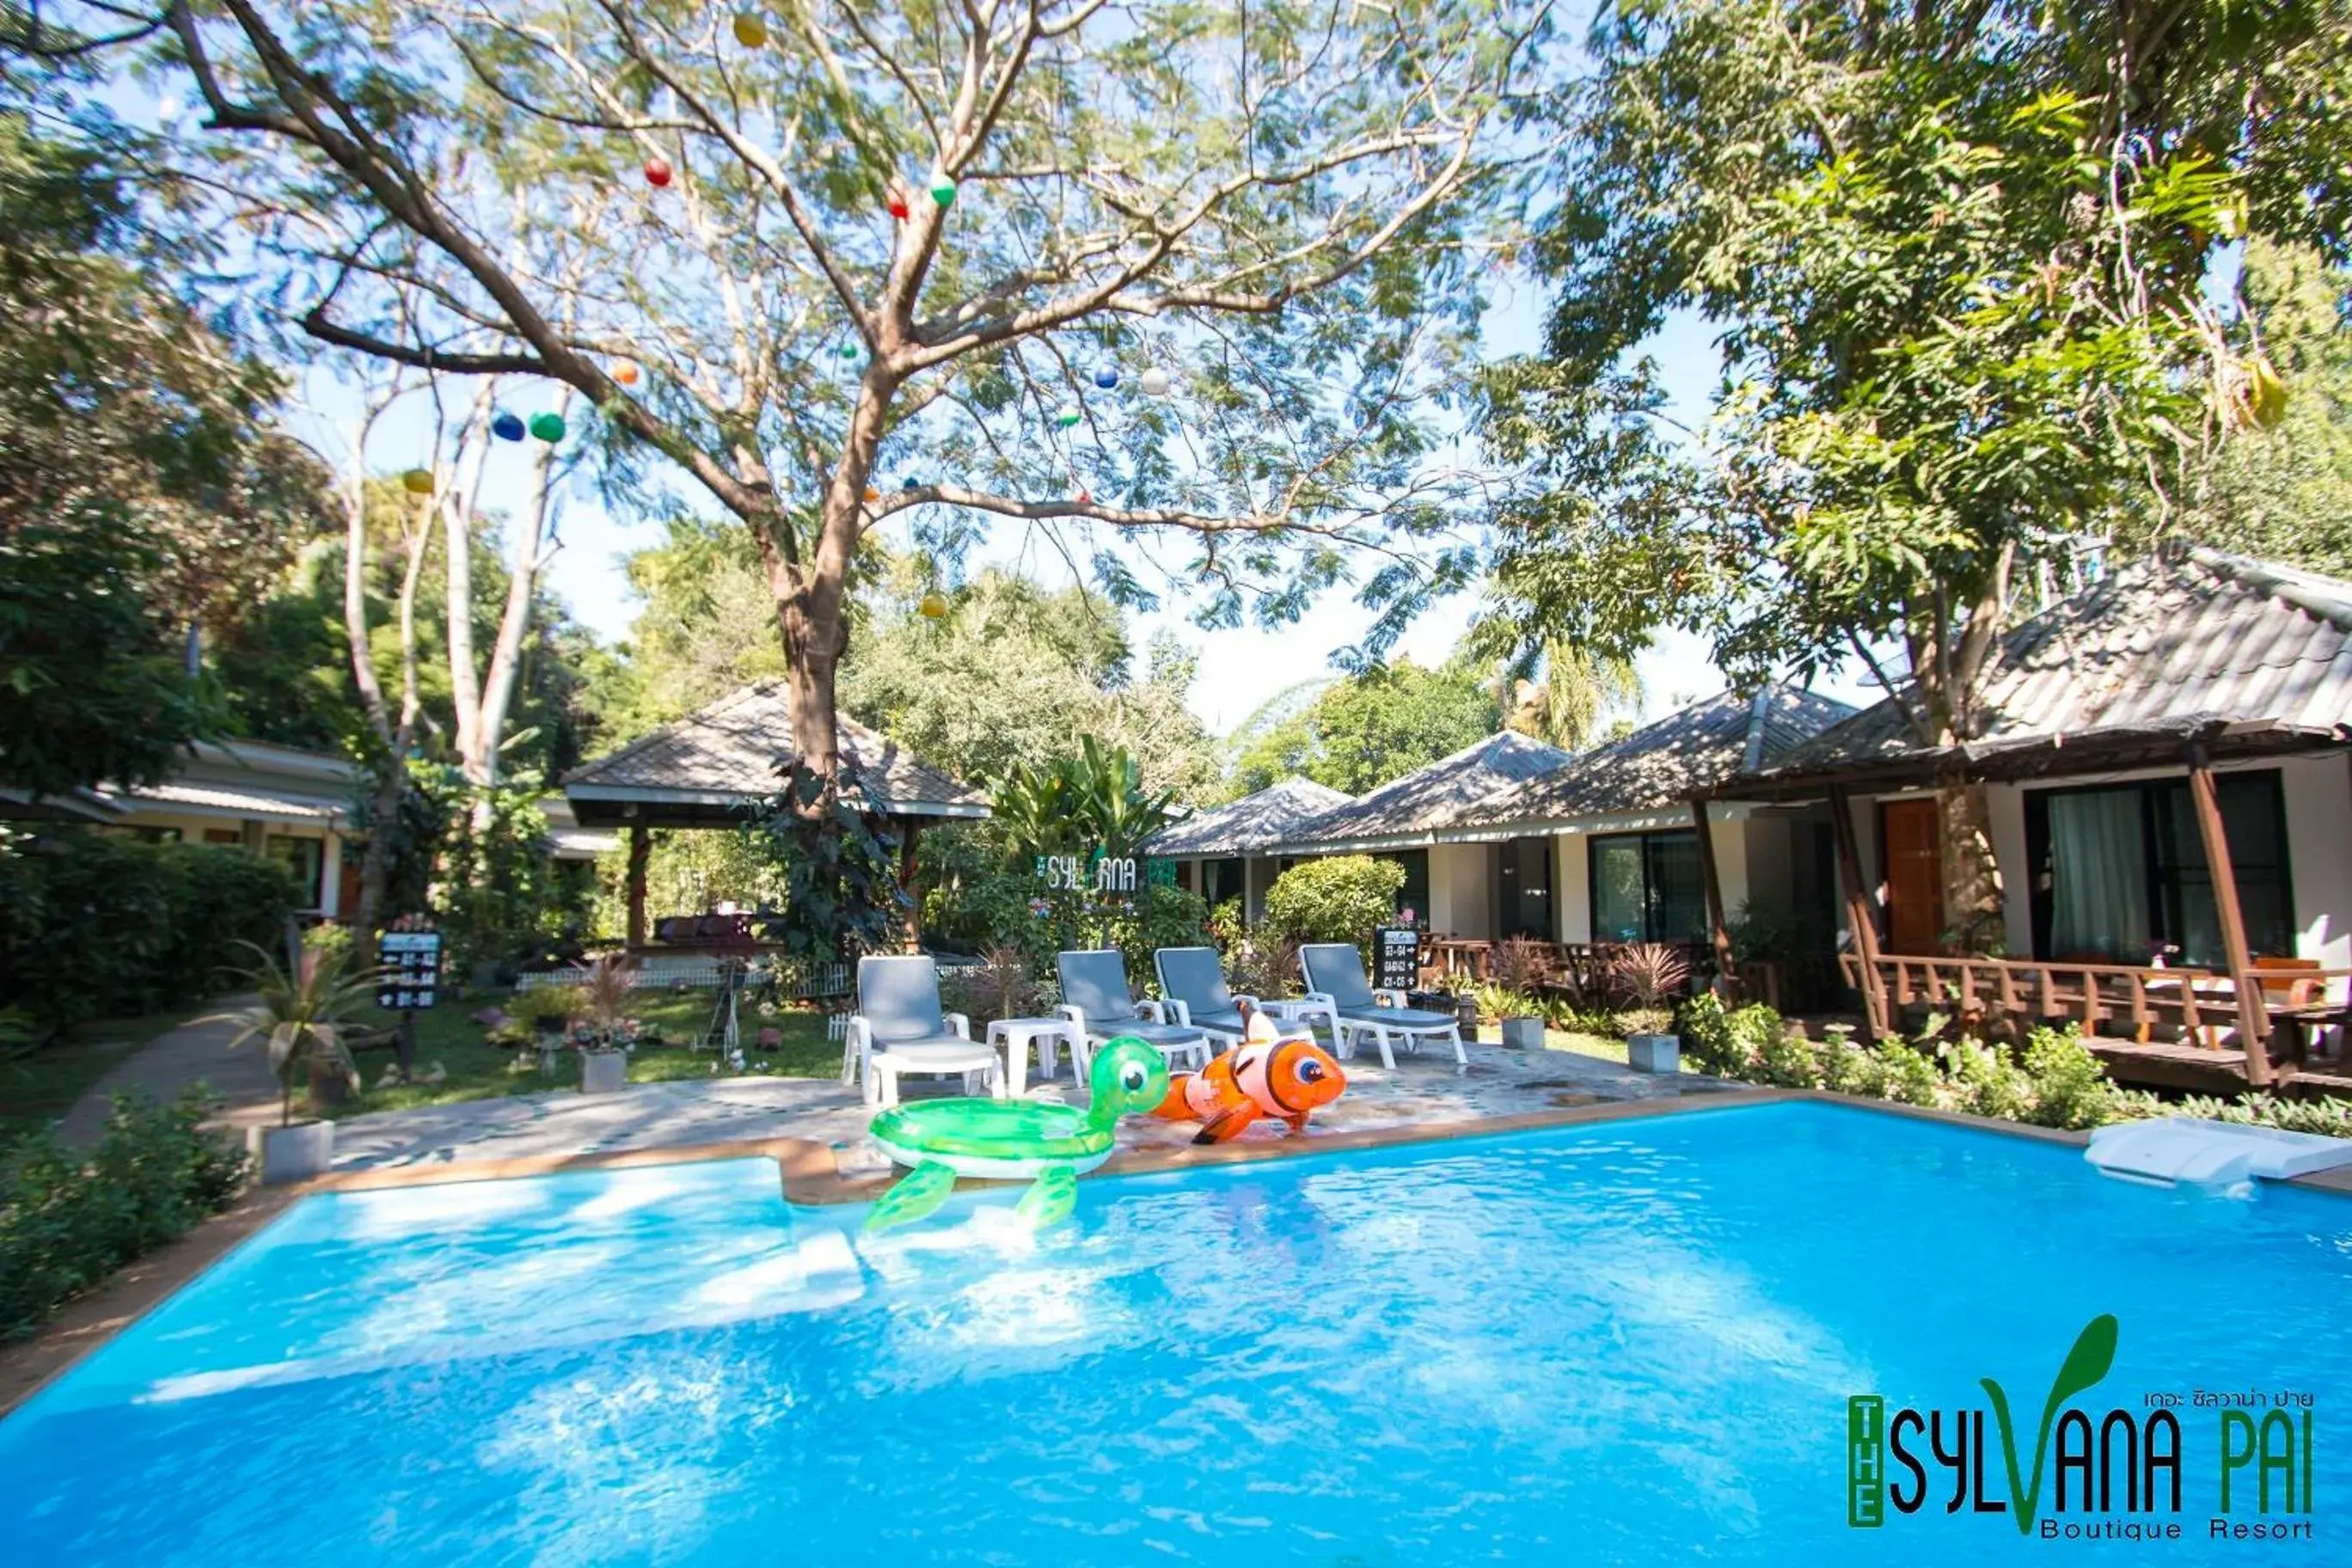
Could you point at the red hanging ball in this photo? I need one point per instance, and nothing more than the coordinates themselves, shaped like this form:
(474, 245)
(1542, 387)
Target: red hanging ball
(1085, 497)
(899, 207)
(657, 172)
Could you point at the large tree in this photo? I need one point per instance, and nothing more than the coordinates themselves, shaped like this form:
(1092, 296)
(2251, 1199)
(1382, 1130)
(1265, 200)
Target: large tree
(1376, 725)
(1957, 256)
(146, 493)
(890, 260)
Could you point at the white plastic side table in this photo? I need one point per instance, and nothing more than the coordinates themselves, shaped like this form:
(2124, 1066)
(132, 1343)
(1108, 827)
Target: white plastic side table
(1302, 1011)
(1017, 1037)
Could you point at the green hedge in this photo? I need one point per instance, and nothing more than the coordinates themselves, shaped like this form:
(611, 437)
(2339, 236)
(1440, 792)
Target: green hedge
(69, 1219)
(1337, 898)
(93, 925)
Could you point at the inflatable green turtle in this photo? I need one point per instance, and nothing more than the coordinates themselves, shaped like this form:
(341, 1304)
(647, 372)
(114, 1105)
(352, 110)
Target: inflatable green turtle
(1050, 1146)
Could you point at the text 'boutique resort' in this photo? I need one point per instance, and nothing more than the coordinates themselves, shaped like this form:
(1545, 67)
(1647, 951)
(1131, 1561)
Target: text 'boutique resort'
(1390, 783)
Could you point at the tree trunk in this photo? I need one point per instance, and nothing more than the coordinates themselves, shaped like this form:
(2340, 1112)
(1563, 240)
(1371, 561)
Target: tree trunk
(1973, 897)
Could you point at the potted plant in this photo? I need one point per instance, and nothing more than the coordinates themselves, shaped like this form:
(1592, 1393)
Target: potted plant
(1647, 975)
(605, 987)
(308, 1005)
(1520, 964)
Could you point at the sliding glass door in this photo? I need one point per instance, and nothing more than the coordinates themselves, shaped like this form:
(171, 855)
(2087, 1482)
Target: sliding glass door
(1646, 887)
(2120, 875)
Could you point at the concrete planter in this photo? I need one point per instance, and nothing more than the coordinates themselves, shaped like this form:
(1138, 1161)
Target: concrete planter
(602, 1072)
(1523, 1034)
(293, 1153)
(1655, 1053)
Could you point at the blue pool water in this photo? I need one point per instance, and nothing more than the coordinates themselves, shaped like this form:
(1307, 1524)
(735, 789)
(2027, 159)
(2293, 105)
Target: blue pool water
(1613, 1344)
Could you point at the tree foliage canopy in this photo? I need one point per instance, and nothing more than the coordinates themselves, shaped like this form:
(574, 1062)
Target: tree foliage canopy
(1376, 725)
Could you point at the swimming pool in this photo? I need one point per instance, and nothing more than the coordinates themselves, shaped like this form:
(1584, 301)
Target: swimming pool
(1605, 1344)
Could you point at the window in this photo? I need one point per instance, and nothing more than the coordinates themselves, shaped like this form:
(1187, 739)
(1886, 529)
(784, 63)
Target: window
(1220, 880)
(2119, 872)
(1646, 887)
(1414, 894)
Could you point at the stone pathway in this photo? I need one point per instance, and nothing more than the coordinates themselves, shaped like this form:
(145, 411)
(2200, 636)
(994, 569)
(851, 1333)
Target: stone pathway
(1428, 1088)
(177, 1059)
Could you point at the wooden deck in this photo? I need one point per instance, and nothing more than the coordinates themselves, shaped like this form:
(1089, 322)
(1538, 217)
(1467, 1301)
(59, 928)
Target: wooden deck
(2197, 1070)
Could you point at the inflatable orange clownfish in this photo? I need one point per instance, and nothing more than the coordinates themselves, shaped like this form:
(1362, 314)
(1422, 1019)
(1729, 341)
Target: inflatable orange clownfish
(1263, 1076)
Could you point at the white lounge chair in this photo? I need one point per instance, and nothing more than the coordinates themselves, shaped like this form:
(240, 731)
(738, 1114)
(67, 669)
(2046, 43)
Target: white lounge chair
(1096, 1001)
(898, 1028)
(1335, 976)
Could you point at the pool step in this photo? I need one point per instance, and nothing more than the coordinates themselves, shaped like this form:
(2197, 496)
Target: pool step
(2178, 1149)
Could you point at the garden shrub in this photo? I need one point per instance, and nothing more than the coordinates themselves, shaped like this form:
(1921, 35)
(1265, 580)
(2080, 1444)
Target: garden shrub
(1341, 898)
(1987, 1082)
(1781, 1056)
(1704, 1024)
(70, 1218)
(94, 925)
(1912, 1077)
(2070, 1085)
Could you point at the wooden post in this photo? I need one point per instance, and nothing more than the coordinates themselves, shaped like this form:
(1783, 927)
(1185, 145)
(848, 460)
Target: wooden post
(641, 847)
(1727, 974)
(2253, 1022)
(1859, 919)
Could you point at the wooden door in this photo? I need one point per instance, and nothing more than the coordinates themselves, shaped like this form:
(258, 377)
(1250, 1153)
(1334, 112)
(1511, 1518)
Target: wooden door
(1915, 876)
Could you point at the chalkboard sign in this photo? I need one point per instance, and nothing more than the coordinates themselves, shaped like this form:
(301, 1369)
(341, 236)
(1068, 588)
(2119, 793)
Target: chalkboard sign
(1396, 958)
(412, 966)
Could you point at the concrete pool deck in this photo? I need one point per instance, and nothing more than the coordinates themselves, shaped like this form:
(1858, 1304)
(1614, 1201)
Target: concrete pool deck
(567, 1126)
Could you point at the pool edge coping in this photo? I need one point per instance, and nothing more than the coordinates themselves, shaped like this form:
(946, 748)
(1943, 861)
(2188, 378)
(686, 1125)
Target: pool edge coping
(809, 1175)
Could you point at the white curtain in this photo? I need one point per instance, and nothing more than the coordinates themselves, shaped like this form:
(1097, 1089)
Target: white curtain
(2098, 866)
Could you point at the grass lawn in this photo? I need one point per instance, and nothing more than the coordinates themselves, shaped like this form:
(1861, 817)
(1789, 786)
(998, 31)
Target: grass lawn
(43, 1085)
(477, 1070)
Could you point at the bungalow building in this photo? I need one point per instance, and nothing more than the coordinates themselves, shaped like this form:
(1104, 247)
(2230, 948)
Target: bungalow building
(2164, 760)
(294, 805)
(1515, 837)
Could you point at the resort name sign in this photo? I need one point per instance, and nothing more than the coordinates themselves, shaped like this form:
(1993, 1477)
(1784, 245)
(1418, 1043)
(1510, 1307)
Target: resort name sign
(2082, 1475)
(1101, 873)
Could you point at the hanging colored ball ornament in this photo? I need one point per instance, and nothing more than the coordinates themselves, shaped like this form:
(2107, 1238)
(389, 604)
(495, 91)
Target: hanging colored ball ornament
(750, 29)
(417, 481)
(1155, 382)
(1068, 416)
(849, 351)
(898, 208)
(657, 172)
(507, 428)
(934, 606)
(625, 373)
(912, 485)
(1106, 378)
(547, 427)
(872, 494)
(1085, 497)
(943, 191)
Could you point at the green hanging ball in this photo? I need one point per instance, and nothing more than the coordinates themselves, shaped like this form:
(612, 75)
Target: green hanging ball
(1068, 417)
(849, 351)
(547, 427)
(417, 481)
(943, 191)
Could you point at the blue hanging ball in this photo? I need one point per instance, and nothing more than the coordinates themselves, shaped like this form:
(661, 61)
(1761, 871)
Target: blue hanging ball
(507, 428)
(1106, 378)
(912, 485)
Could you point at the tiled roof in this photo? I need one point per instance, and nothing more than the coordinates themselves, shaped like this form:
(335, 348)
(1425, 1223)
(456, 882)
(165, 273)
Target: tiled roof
(2158, 647)
(737, 745)
(1249, 823)
(1413, 807)
(1663, 763)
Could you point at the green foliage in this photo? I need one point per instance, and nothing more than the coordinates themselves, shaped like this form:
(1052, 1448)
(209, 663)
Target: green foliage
(2284, 493)
(1338, 898)
(2070, 1085)
(309, 1002)
(2328, 1117)
(1382, 724)
(93, 925)
(503, 899)
(70, 1218)
(1498, 1001)
(1092, 802)
(1986, 1081)
(839, 865)
(1777, 1054)
(1912, 1077)
(142, 487)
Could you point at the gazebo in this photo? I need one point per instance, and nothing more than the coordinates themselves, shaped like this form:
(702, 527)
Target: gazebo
(709, 769)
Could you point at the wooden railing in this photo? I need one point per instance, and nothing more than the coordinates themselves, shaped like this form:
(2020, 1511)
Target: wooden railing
(2201, 1004)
